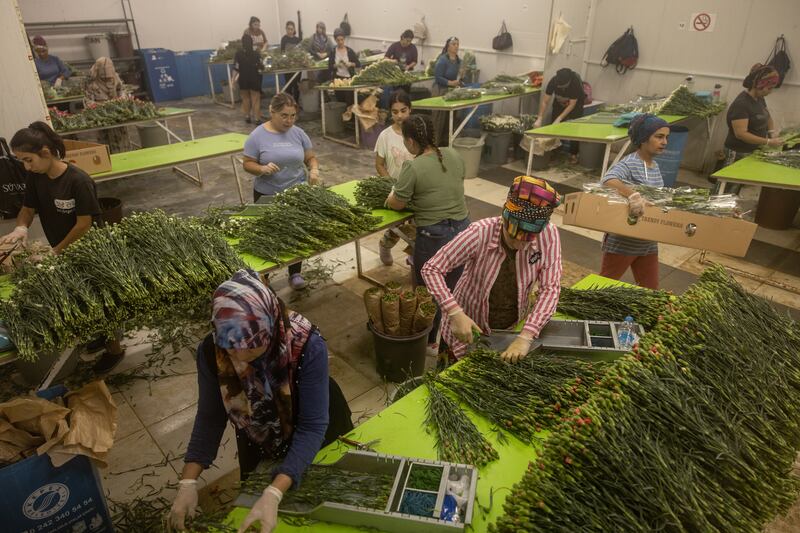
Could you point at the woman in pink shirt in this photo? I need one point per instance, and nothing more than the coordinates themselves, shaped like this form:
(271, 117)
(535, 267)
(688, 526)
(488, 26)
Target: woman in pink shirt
(503, 257)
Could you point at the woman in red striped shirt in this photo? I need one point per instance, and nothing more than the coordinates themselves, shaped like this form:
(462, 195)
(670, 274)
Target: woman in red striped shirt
(502, 258)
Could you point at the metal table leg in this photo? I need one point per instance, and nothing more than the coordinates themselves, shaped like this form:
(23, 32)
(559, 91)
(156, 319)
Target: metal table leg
(211, 82)
(530, 155)
(360, 269)
(236, 177)
(230, 85)
(606, 157)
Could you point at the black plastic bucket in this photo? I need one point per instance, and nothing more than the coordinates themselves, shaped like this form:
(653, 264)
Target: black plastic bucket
(400, 358)
(111, 209)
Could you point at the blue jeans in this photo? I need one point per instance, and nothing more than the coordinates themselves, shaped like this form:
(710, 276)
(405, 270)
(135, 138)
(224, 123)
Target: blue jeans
(430, 239)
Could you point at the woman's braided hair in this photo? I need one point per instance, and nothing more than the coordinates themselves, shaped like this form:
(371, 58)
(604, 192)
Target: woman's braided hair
(419, 128)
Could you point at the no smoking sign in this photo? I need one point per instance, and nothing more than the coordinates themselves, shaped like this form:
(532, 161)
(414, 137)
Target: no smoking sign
(704, 22)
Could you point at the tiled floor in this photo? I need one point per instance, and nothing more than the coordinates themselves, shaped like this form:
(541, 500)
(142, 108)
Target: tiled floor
(156, 418)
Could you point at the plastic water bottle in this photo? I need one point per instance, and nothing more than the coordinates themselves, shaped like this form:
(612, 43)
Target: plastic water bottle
(715, 95)
(626, 334)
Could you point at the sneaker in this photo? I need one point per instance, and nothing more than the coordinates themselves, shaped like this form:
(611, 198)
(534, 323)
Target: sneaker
(386, 255)
(296, 282)
(106, 362)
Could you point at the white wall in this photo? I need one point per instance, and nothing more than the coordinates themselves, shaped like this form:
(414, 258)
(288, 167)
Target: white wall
(22, 101)
(173, 24)
(474, 22)
(744, 34)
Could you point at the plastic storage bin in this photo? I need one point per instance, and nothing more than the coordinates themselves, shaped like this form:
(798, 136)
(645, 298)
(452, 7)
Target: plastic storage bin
(470, 150)
(669, 162)
(192, 73)
(161, 73)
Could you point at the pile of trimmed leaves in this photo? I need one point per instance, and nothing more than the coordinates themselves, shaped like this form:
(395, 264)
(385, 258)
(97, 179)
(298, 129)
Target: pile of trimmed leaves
(95, 115)
(115, 277)
(296, 58)
(646, 306)
(226, 52)
(461, 94)
(301, 221)
(526, 397)
(372, 191)
(681, 101)
(384, 72)
(696, 429)
(70, 87)
(787, 158)
(695, 200)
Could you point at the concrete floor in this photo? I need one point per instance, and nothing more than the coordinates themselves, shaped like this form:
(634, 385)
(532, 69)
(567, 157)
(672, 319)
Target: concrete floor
(156, 418)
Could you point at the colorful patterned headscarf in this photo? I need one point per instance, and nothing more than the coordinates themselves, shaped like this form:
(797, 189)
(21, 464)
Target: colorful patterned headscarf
(528, 207)
(762, 77)
(258, 396)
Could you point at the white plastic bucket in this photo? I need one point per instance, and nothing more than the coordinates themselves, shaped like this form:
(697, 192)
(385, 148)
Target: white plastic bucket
(470, 150)
(99, 45)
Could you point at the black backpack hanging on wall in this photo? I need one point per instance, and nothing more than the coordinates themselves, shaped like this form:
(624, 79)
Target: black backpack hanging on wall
(503, 40)
(779, 59)
(623, 53)
(345, 26)
(12, 182)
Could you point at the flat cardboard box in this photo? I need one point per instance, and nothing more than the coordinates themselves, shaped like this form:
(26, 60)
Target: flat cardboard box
(92, 158)
(725, 235)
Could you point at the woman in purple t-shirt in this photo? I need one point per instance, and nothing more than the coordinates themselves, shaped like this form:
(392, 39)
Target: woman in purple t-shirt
(280, 156)
(403, 51)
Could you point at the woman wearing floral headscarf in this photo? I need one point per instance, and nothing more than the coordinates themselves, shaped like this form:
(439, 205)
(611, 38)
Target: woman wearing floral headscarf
(266, 371)
(750, 124)
(502, 258)
(104, 84)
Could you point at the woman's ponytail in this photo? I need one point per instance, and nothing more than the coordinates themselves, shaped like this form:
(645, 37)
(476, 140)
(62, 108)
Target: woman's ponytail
(35, 137)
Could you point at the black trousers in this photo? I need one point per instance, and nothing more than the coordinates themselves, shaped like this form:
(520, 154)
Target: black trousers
(251, 454)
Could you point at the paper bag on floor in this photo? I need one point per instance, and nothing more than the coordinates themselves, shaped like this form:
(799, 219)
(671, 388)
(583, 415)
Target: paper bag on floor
(37, 417)
(16, 444)
(539, 145)
(92, 425)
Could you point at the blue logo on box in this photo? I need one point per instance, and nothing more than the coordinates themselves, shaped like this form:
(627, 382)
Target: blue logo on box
(46, 501)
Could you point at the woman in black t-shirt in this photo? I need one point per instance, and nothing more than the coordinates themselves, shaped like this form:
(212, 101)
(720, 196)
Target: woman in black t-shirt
(566, 91)
(247, 65)
(749, 123)
(65, 198)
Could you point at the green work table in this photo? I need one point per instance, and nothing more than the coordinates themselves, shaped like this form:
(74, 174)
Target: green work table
(164, 114)
(579, 130)
(437, 103)
(355, 89)
(402, 431)
(64, 100)
(389, 218)
(753, 171)
(168, 156)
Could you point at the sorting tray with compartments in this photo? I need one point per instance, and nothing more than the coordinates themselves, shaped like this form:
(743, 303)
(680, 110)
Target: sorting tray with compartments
(394, 517)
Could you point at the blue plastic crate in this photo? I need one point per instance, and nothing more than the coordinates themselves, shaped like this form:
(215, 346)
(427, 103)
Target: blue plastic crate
(40, 498)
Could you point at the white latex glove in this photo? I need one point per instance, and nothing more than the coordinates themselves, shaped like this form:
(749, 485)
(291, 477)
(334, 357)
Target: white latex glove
(636, 204)
(517, 350)
(58, 83)
(185, 504)
(265, 510)
(462, 326)
(313, 177)
(538, 123)
(19, 233)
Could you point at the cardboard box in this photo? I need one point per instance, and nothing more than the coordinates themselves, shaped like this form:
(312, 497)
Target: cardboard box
(40, 498)
(92, 158)
(725, 235)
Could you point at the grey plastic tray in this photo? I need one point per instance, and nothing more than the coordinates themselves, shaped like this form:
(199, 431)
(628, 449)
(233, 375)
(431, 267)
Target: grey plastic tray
(388, 519)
